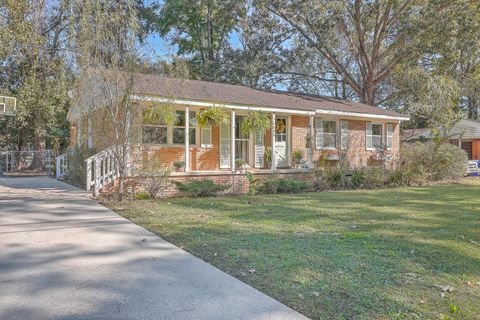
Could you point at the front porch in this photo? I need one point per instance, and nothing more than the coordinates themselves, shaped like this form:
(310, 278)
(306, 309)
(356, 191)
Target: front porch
(225, 149)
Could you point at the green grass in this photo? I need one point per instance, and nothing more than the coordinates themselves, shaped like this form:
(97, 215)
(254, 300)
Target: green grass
(368, 254)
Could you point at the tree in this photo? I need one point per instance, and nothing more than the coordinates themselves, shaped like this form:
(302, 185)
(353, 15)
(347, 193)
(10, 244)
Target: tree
(362, 41)
(106, 45)
(434, 98)
(33, 68)
(200, 29)
(457, 52)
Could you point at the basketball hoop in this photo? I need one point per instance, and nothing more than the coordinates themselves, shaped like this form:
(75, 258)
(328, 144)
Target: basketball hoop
(8, 106)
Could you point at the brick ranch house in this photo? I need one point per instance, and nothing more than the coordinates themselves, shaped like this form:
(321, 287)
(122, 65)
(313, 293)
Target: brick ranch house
(340, 129)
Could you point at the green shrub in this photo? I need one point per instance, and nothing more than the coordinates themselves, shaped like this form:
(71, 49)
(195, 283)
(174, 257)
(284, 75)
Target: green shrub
(291, 186)
(425, 162)
(338, 177)
(319, 181)
(252, 183)
(395, 177)
(77, 166)
(375, 177)
(450, 162)
(153, 176)
(200, 188)
(269, 185)
(142, 196)
(283, 185)
(358, 177)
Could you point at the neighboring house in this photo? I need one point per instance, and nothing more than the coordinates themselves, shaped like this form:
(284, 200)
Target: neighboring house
(465, 134)
(340, 129)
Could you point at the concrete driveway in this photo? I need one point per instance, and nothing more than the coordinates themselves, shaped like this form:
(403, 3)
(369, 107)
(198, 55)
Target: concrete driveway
(64, 256)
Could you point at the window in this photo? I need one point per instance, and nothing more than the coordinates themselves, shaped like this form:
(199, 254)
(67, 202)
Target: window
(154, 133)
(161, 133)
(389, 136)
(374, 136)
(241, 140)
(326, 134)
(179, 128)
(343, 134)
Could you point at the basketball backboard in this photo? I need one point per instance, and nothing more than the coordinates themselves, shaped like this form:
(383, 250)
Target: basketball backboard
(8, 105)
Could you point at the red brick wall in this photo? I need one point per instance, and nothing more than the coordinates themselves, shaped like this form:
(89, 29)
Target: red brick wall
(207, 159)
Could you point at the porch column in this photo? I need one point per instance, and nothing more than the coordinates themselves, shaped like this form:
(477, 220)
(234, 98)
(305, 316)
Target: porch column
(274, 155)
(187, 139)
(232, 148)
(312, 142)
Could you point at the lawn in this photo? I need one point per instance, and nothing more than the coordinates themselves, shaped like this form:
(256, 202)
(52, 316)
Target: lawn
(367, 254)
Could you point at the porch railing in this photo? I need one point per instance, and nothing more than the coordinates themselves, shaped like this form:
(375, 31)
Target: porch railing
(101, 169)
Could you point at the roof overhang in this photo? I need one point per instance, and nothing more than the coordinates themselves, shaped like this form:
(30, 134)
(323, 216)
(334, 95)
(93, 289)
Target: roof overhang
(265, 109)
(362, 115)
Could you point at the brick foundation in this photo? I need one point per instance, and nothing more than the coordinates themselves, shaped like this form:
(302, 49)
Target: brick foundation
(237, 183)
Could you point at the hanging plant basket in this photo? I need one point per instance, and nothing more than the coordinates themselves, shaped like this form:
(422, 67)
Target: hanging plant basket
(212, 116)
(255, 121)
(160, 114)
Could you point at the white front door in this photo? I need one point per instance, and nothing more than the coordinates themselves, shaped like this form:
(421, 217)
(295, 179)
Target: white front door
(281, 141)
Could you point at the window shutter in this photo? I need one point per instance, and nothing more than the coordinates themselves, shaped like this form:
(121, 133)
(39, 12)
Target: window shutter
(259, 150)
(206, 137)
(389, 136)
(225, 146)
(368, 136)
(319, 134)
(344, 134)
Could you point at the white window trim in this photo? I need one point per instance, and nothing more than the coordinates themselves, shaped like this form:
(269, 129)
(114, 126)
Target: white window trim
(386, 136)
(170, 133)
(383, 134)
(340, 140)
(334, 134)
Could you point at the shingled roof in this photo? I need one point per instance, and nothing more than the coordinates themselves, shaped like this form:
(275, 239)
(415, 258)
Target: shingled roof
(91, 94)
(154, 85)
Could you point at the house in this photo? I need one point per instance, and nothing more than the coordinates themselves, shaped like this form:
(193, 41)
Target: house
(340, 129)
(465, 134)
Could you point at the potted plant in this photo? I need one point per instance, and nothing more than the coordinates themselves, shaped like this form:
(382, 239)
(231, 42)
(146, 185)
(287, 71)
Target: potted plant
(211, 116)
(240, 164)
(178, 165)
(297, 156)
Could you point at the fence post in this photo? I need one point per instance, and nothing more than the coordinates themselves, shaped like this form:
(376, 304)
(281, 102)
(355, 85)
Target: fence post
(49, 157)
(58, 164)
(88, 177)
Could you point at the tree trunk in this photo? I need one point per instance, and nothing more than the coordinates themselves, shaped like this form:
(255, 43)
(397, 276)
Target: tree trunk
(121, 182)
(472, 108)
(39, 144)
